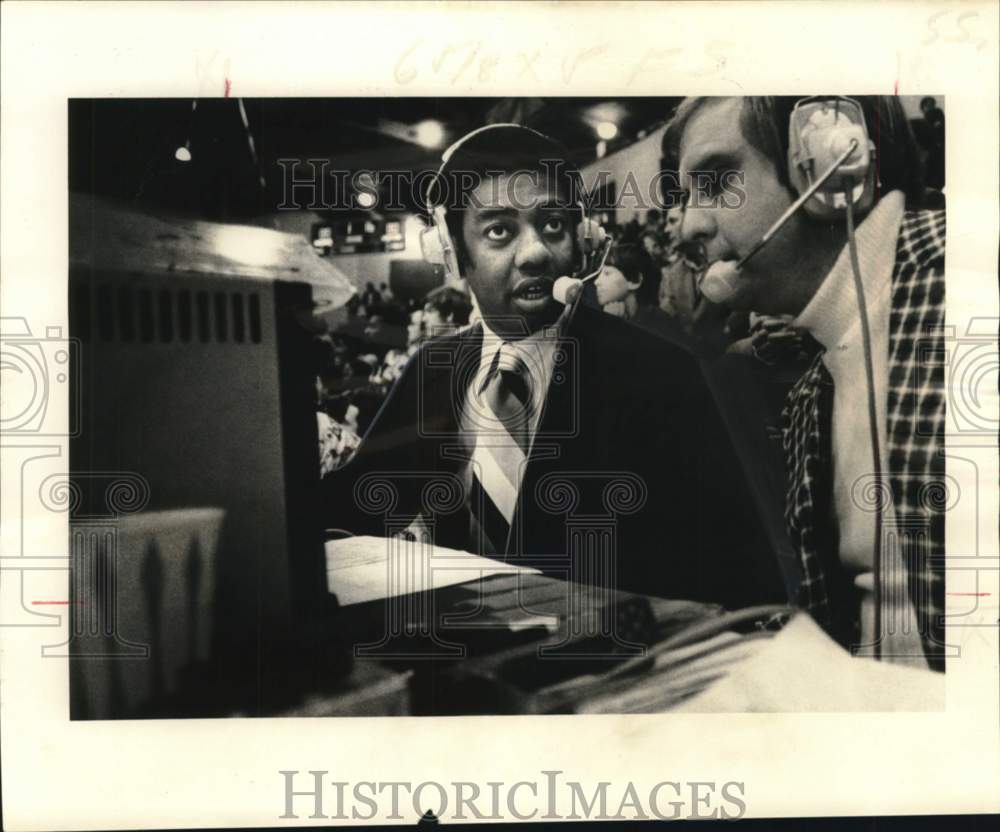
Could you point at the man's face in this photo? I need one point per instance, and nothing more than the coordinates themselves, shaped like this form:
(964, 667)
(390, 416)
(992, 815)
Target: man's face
(714, 143)
(518, 240)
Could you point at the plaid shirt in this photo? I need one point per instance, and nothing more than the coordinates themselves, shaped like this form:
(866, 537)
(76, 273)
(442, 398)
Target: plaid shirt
(915, 416)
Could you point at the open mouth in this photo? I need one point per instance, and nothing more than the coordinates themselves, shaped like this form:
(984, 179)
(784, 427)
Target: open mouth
(533, 290)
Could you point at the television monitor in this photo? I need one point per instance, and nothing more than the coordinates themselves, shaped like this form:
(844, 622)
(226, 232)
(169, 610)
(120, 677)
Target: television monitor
(196, 389)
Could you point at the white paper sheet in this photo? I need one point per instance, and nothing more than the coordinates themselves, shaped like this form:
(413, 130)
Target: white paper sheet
(360, 569)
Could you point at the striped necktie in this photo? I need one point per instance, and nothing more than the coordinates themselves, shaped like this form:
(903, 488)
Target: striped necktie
(504, 413)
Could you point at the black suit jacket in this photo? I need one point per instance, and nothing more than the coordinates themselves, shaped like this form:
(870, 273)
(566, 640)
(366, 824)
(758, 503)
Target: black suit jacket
(630, 459)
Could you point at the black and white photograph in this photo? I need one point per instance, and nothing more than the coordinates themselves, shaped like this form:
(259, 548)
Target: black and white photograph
(446, 423)
(512, 405)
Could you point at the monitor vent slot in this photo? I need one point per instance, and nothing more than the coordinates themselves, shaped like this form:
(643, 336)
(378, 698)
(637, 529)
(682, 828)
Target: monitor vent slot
(221, 321)
(166, 310)
(184, 315)
(204, 321)
(239, 325)
(147, 320)
(254, 304)
(125, 314)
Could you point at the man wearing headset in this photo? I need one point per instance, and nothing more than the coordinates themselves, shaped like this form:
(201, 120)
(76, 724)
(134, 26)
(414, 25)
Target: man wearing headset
(805, 270)
(548, 421)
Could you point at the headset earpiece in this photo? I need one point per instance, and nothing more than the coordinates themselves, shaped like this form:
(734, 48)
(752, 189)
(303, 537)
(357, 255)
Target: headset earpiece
(820, 130)
(437, 246)
(590, 236)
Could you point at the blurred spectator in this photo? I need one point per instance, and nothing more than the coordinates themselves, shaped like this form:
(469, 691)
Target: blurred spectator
(371, 300)
(630, 231)
(352, 381)
(445, 309)
(672, 232)
(933, 142)
(337, 443)
(703, 326)
(629, 281)
(363, 408)
(654, 222)
(354, 305)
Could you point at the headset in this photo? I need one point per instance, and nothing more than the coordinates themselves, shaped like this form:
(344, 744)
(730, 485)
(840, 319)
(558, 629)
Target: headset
(820, 131)
(829, 158)
(438, 247)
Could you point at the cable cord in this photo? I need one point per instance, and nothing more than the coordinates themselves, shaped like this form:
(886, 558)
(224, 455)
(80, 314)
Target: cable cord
(866, 340)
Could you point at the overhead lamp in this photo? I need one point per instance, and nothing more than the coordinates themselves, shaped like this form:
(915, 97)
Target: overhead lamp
(607, 130)
(429, 133)
(183, 153)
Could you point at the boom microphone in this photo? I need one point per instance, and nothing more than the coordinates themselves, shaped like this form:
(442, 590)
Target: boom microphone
(720, 282)
(595, 243)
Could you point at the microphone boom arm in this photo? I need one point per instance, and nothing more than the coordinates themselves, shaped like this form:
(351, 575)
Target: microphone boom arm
(774, 229)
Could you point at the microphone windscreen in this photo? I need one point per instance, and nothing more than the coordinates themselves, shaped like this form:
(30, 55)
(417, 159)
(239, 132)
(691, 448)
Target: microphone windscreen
(721, 282)
(565, 289)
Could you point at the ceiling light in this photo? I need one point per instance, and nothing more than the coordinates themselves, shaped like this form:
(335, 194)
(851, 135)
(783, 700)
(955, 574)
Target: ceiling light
(607, 130)
(183, 153)
(429, 133)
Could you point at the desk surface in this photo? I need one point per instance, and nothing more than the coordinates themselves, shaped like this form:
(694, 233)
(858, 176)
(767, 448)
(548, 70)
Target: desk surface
(506, 644)
(502, 645)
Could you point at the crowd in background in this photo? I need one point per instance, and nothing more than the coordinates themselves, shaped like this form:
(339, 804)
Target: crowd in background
(650, 279)
(356, 368)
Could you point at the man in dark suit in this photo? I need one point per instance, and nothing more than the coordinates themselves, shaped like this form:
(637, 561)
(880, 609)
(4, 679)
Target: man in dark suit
(871, 568)
(551, 436)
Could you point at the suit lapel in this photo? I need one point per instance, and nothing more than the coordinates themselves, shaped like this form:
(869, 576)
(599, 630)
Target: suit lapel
(562, 410)
(449, 365)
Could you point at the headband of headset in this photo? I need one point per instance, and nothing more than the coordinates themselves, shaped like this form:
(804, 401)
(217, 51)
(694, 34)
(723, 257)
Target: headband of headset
(820, 131)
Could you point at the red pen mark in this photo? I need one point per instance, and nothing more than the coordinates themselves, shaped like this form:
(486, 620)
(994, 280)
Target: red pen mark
(58, 603)
(895, 87)
(229, 84)
(970, 594)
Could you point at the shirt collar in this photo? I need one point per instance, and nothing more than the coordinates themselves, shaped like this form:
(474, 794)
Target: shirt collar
(833, 310)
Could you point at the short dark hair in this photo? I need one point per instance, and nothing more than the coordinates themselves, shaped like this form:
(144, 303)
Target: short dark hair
(635, 263)
(764, 123)
(451, 304)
